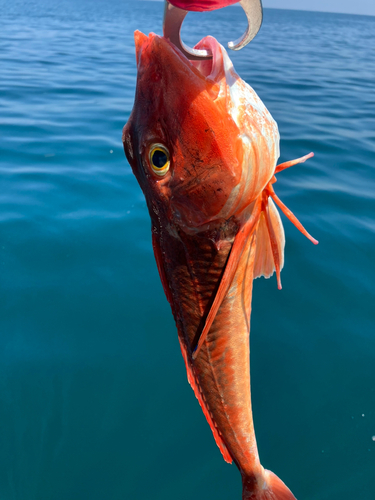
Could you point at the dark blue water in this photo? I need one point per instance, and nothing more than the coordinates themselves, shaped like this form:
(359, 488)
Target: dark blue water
(94, 402)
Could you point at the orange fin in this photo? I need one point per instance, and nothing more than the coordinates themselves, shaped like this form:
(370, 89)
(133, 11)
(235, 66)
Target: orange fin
(229, 272)
(268, 487)
(264, 264)
(293, 219)
(290, 163)
(281, 205)
(195, 386)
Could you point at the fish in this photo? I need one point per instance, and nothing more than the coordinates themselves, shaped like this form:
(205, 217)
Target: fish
(204, 150)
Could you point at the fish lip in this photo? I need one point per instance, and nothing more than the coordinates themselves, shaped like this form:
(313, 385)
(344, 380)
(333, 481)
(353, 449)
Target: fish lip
(212, 69)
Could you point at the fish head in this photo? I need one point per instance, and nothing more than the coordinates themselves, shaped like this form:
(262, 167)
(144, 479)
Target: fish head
(197, 149)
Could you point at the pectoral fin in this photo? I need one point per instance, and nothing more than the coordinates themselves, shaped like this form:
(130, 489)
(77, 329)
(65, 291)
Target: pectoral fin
(270, 243)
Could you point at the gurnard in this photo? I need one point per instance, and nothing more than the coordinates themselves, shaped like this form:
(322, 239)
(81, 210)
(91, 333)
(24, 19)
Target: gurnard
(204, 148)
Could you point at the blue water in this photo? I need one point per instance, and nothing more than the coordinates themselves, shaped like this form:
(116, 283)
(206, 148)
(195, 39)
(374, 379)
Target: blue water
(94, 402)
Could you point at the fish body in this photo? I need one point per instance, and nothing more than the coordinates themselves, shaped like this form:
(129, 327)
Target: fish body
(204, 148)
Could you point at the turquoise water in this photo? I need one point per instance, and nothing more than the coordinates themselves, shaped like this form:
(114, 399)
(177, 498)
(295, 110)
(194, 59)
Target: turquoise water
(94, 402)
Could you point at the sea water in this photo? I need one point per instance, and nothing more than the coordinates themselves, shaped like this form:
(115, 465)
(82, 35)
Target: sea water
(94, 402)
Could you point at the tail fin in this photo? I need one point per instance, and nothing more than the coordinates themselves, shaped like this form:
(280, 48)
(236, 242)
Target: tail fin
(272, 488)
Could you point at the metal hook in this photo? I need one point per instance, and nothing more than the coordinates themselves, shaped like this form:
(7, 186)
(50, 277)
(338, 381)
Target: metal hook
(254, 13)
(174, 17)
(172, 22)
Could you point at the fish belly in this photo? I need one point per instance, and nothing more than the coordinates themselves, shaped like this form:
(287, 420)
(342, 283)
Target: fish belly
(194, 265)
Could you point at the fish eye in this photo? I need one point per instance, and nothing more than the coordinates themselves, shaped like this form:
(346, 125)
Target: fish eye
(159, 159)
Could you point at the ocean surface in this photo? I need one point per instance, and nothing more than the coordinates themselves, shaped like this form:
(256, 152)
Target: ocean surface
(94, 402)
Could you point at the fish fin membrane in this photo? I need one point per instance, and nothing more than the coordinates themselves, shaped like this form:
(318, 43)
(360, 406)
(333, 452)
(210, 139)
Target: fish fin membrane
(272, 488)
(264, 263)
(195, 386)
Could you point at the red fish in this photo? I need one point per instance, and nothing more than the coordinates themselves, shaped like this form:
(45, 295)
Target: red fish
(204, 148)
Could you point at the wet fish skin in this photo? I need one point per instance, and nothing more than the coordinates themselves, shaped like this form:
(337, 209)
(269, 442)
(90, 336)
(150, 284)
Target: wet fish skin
(223, 146)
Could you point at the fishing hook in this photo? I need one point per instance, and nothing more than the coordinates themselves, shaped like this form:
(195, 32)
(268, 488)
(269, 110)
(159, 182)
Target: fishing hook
(174, 17)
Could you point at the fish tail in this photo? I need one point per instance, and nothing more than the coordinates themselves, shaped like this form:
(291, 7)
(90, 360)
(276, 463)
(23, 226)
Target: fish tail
(269, 487)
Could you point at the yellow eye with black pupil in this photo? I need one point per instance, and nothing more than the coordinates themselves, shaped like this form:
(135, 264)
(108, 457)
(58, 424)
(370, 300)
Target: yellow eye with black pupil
(159, 159)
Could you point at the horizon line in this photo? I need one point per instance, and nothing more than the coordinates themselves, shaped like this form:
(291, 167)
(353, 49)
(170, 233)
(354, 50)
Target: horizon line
(290, 8)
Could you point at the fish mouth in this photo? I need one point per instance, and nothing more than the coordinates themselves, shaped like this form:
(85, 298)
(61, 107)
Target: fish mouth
(219, 69)
(212, 68)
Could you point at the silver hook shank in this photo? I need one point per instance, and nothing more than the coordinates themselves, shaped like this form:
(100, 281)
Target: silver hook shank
(172, 22)
(174, 17)
(254, 13)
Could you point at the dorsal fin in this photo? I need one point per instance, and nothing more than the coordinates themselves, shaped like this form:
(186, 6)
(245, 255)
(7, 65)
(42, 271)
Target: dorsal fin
(198, 394)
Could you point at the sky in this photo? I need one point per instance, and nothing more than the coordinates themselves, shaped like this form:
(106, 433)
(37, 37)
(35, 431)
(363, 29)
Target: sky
(362, 7)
